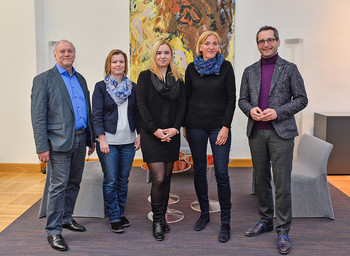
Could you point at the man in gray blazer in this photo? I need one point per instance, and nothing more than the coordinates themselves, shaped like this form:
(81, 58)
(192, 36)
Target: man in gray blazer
(62, 125)
(272, 92)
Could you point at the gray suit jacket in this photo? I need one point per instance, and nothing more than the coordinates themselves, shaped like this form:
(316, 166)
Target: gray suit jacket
(287, 96)
(52, 112)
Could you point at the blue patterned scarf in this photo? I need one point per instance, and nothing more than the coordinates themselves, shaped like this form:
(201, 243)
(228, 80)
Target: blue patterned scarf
(207, 67)
(119, 92)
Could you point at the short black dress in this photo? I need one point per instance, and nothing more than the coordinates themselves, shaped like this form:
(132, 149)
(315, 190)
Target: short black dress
(157, 112)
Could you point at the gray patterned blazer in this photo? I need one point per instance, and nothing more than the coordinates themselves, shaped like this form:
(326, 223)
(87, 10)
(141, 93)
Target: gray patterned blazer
(287, 96)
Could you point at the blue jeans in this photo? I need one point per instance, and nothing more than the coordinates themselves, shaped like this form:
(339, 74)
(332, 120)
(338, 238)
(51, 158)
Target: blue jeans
(66, 171)
(116, 168)
(198, 140)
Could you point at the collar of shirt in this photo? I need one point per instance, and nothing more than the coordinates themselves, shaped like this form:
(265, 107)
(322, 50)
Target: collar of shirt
(64, 71)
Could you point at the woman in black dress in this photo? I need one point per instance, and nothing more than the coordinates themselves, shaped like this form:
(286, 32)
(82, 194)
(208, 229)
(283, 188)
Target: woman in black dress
(161, 102)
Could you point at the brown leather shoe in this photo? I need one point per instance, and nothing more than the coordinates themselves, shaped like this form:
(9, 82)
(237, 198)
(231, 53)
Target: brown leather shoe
(258, 229)
(74, 226)
(57, 242)
(283, 244)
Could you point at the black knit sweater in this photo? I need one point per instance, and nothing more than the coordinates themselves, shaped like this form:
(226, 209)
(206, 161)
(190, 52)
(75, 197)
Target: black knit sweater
(211, 99)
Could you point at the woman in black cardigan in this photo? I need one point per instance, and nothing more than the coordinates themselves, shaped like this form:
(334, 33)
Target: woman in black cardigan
(210, 101)
(161, 102)
(115, 117)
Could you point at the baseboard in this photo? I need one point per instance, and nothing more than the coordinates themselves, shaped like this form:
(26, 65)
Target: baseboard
(21, 167)
(37, 167)
(241, 163)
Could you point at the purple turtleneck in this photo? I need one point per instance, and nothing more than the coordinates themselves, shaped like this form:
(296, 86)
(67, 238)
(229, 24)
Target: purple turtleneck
(267, 67)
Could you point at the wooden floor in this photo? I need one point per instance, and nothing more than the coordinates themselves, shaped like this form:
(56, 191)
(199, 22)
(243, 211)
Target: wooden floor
(21, 189)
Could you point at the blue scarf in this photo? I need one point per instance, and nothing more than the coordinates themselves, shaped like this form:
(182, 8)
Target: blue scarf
(119, 92)
(207, 67)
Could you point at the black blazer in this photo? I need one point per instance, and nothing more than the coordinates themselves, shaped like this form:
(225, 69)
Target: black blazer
(105, 110)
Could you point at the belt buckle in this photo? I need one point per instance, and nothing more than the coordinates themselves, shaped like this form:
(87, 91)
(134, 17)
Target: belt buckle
(78, 132)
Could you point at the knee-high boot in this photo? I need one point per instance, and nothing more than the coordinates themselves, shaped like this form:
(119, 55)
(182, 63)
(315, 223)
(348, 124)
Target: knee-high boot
(158, 231)
(165, 225)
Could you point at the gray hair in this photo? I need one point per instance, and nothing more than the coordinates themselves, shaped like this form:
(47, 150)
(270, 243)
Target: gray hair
(60, 41)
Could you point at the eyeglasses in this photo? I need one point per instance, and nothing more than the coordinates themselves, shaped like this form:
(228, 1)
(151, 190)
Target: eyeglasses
(268, 41)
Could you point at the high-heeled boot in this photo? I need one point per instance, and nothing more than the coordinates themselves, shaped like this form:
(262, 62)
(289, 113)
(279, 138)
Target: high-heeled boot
(158, 231)
(165, 224)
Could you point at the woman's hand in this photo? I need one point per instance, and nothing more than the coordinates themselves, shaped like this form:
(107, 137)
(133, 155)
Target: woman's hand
(170, 132)
(137, 145)
(163, 134)
(104, 148)
(222, 136)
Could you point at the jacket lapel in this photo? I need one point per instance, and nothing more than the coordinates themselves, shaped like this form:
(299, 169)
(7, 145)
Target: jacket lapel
(60, 83)
(276, 73)
(256, 75)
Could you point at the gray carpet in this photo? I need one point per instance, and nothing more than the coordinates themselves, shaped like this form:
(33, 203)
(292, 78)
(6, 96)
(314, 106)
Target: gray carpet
(310, 236)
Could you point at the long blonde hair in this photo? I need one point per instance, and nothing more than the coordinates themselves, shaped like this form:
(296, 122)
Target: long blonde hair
(154, 67)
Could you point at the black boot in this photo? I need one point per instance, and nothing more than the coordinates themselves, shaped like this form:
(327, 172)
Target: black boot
(158, 231)
(165, 225)
(202, 222)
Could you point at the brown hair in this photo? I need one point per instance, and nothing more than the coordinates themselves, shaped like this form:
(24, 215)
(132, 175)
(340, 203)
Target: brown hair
(108, 61)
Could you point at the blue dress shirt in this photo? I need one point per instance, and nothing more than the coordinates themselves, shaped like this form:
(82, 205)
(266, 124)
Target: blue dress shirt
(77, 97)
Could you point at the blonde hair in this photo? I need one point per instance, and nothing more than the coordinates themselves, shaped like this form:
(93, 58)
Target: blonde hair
(109, 59)
(154, 67)
(204, 37)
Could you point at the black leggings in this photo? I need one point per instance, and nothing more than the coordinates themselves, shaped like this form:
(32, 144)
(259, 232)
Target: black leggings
(161, 175)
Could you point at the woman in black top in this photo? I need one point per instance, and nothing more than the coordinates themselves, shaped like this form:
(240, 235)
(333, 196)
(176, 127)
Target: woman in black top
(161, 102)
(210, 101)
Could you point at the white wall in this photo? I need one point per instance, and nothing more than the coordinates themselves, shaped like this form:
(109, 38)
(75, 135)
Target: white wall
(323, 26)
(17, 69)
(96, 27)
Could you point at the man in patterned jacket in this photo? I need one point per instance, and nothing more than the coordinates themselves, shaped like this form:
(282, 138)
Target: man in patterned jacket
(272, 92)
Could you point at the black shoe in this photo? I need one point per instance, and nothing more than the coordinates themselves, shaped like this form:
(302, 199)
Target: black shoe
(165, 226)
(225, 233)
(202, 222)
(116, 227)
(57, 242)
(125, 222)
(158, 231)
(74, 226)
(258, 229)
(283, 244)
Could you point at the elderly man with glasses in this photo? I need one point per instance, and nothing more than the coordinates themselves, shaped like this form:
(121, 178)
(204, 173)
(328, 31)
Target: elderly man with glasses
(272, 92)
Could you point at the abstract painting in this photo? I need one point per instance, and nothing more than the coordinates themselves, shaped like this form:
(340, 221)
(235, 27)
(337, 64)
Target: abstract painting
(180, 22)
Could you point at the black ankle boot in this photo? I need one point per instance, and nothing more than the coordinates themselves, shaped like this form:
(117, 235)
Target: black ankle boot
(165, 224)
(202, 222)
(158, 231)
(225, 233)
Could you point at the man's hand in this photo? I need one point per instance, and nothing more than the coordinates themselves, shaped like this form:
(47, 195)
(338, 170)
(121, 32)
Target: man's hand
(268, 115)
(256, 113)
(44, 156)
(92, 149)
(264, 116)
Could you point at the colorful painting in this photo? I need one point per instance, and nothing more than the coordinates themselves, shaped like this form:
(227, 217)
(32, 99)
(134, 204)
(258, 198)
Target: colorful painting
(180, 22)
